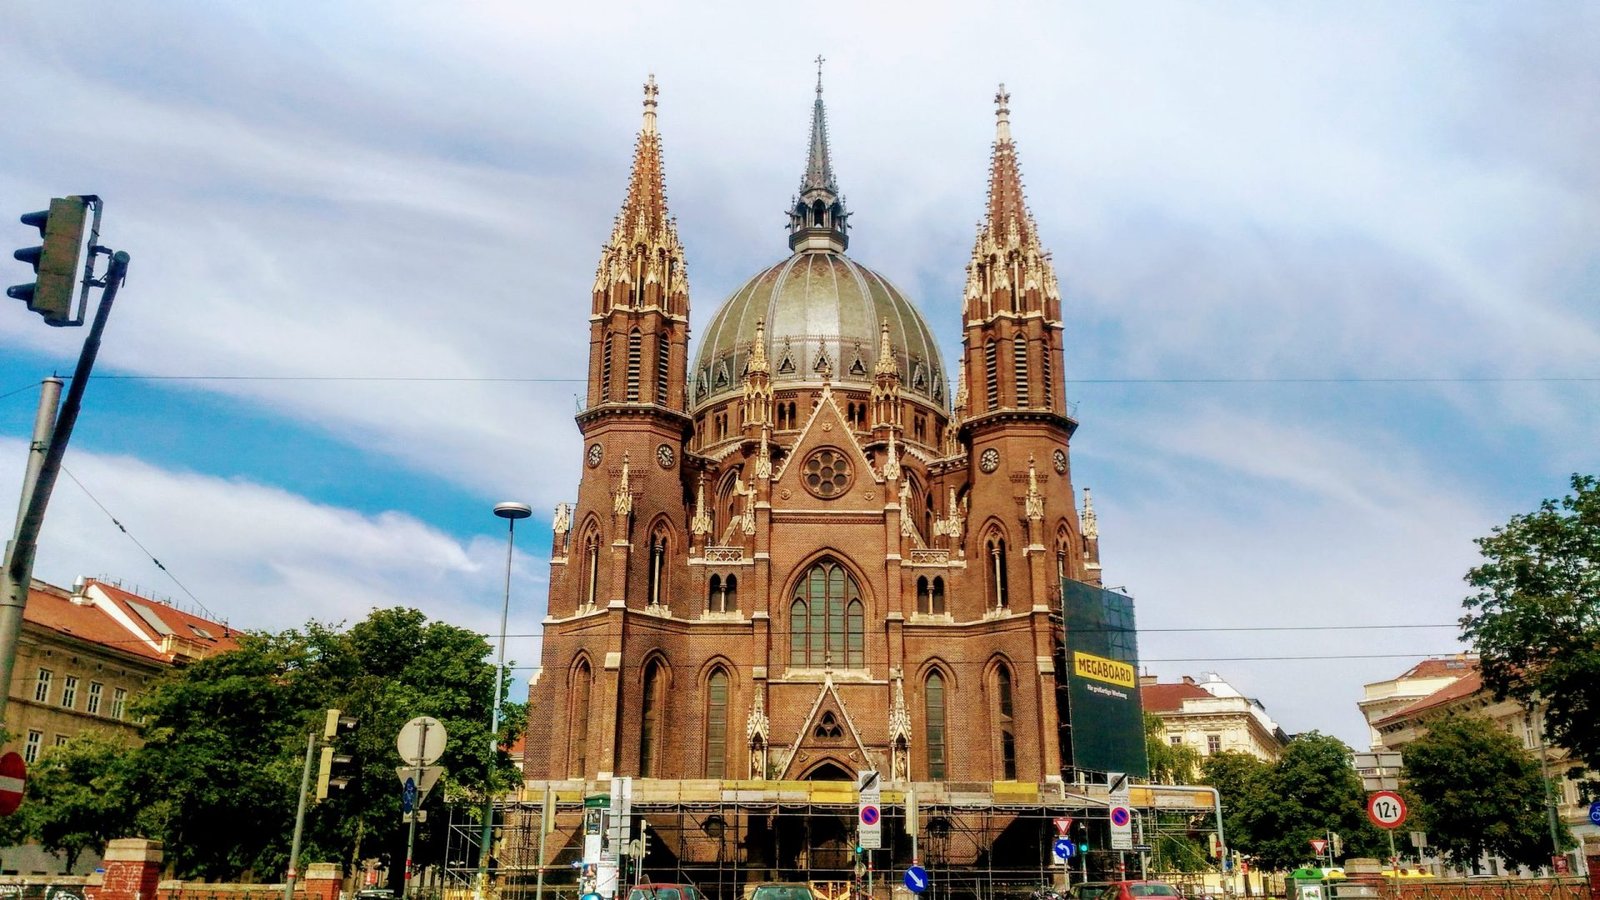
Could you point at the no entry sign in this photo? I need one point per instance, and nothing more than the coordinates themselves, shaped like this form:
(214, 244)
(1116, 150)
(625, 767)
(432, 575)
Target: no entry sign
(13, 776)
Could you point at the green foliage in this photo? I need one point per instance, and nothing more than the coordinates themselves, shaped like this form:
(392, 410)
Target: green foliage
(1311, 790)
(77, 797)
(1535, 620)
(225, 742)
(1478, 791)
(1241, 779)
(1169, 763)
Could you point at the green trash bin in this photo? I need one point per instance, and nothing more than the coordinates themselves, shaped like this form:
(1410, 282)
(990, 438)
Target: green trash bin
(1306, 883)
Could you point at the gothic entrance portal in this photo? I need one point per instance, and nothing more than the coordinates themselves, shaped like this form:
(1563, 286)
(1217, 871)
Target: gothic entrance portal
(817, 843)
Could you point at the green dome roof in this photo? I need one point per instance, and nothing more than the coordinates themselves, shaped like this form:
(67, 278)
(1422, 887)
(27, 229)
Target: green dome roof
(817, 305)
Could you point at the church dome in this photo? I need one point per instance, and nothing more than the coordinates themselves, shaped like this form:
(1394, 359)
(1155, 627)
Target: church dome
(820, 309)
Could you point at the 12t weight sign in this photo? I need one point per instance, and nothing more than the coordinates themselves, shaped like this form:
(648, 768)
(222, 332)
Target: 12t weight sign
(1386, 809)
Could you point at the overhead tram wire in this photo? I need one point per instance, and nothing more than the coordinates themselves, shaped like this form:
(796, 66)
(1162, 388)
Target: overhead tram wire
(538, 379)
(1222, 628)
(981, 664)
(124, 529)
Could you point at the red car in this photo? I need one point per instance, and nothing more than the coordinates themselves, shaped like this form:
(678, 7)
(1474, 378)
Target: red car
(1131, 890)
(664, 891)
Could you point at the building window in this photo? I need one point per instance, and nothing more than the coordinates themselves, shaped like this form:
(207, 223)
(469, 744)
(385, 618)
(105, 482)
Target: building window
(605, 370)
(1176, 740)
(936, 601)
(723, 595)
(1213, 743)
(717, 725)
(62, 739)
(991, 384)
(663, 364)
(999, 585)
(1019, 368)
(827, 619)
(119, 703)
(41, 686)
(634, 347)
(581, 681)
(95, 690)
(650, 720)
(591, 553)
(30, 750)
(1005, 714)
(924, 596)
(658, 563)
(1045, 376)
(69, 692)
(933, 715)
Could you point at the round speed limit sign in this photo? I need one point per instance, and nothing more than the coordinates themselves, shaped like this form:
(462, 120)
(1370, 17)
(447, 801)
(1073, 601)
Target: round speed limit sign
(1386, 809)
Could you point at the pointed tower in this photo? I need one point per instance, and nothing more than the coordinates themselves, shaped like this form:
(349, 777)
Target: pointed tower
(640, 336)
(818, 220)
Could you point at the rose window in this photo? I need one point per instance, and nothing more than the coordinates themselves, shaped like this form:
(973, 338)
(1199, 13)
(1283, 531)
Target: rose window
(826, 473)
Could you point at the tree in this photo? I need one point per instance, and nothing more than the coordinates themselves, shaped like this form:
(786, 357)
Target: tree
(1478, 791)
(78, 796)
(1311, 790)
(1535, 620)
(226, 738)
(1240, 779)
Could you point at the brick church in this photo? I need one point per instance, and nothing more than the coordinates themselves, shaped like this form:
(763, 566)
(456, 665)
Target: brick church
(813, 547)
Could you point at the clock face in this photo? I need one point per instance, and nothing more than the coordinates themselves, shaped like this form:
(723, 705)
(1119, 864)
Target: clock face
(664, 456)
(1061, 462)
(596, 453)
(990, 460)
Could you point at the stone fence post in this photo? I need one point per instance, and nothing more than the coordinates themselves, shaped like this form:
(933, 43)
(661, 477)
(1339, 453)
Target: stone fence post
(133, 869)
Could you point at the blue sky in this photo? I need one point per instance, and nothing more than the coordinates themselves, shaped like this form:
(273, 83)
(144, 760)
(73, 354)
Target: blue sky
(388, 216)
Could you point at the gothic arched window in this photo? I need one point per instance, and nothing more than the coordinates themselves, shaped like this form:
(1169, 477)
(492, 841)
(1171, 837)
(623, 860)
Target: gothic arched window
(605, 371)
(635, 346)
(663, 363)
(578, 753)
(1004, 719)
(658, 570)
(991, 381)
(1019, 366)
(827, 619)
(999, 595)
(936, 600)
(717, 724)
(650, 719)
(591, 564)
(714, 594)
(924, 598)
(730, 594)
(933, 719)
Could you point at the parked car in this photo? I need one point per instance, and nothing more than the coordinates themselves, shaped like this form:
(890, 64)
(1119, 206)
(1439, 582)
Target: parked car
(374, 894)
(1088, 890)
(782, 890)
(660, 890)
(1134, 890)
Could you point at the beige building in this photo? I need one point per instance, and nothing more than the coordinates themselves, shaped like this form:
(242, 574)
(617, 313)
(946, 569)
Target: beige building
(83, 656)
(1465, 694)
(1212, 716)
(1382, 699)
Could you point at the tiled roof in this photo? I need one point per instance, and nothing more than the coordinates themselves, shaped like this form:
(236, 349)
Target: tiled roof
(212, 636)
(1442, 666)
(50, 608)
(1465, 686)
(1169, 697)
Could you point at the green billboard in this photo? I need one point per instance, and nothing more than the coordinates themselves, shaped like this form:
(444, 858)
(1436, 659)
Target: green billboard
(1101, 673)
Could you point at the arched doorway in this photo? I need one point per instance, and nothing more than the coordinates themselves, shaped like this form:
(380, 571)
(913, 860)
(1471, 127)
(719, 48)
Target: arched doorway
(814, 843)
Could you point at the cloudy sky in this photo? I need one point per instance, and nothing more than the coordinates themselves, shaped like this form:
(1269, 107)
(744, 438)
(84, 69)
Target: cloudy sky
(1330, 273)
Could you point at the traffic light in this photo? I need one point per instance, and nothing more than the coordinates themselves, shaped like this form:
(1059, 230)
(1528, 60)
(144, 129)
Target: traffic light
(1214, 845)
(1083, 839)
(332, 726)
(1338, 845)
(55, 260)
(644, 840)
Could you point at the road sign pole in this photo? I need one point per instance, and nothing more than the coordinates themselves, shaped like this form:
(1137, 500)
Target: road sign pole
(411, 833)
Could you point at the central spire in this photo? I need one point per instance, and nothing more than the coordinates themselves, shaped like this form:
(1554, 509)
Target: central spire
(817, 219)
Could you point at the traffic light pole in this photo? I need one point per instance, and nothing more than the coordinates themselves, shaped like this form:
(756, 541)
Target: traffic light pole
(300, 818)
(17, 573)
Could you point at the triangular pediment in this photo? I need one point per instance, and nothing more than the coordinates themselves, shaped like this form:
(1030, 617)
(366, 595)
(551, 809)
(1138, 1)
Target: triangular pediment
(826, 733)
(842, 480)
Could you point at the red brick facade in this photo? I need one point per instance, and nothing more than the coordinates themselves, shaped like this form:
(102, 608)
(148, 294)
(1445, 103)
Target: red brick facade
(794, 560)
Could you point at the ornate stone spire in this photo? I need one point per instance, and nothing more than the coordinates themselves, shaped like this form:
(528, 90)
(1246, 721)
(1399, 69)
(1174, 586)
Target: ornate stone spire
(891, 466)
(1009, 269)
(758, 353)
(701, 523)
(899, 715)
(1034, 504)
(1091, 523)
(755, 727)
(886, 364)
(763, 459)
(642, 265)
(622, 501)
(817, 218)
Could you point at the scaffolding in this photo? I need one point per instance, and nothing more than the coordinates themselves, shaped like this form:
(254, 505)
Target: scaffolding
(977, 841)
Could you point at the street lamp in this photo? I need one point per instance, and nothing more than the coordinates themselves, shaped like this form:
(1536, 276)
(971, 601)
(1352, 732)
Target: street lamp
(511, 511)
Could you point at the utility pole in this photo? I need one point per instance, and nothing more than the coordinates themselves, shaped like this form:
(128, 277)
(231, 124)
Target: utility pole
(16, 574)
(300, 818)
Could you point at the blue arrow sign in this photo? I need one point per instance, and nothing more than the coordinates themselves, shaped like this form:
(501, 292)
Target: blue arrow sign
(1594, 813)
(408, 796)
(916, 879)
(1063, 848)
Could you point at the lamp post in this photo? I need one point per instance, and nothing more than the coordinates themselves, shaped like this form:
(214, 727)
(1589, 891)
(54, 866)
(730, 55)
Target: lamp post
(511, 511)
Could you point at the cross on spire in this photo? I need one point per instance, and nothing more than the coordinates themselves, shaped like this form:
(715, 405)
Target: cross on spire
(650, 94)
(820, 60)
(1002, 114)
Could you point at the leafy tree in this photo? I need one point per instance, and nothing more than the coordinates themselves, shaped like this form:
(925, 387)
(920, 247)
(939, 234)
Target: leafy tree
(1311, 790)
(78, 796)
(1478, 791)
(226, 739)
(1240, 778)
(1535, 620)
